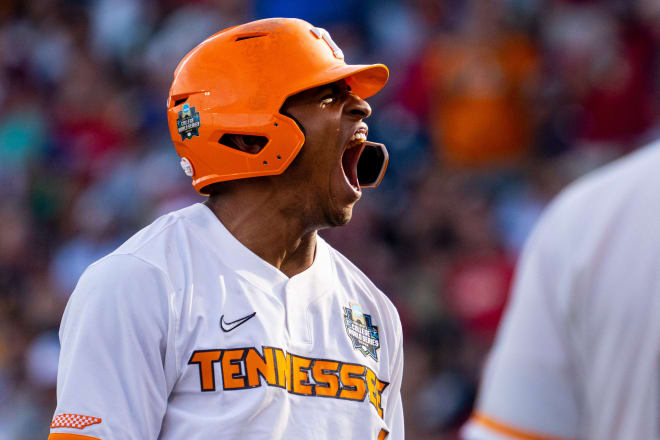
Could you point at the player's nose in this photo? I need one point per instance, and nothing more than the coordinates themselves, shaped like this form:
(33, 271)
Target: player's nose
(357, 107)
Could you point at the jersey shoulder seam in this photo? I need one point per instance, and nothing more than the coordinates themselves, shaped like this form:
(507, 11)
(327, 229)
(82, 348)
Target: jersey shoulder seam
(173, 220)
(168, 280)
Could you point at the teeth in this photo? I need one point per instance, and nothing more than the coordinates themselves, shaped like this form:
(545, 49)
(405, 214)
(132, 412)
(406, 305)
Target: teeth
(359, 136)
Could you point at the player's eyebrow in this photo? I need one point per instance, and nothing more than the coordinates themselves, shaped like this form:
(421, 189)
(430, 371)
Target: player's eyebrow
(327, 89)
(332, 88)
(339, 88)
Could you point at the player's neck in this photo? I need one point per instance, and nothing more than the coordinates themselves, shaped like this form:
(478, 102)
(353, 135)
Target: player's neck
(272, 233)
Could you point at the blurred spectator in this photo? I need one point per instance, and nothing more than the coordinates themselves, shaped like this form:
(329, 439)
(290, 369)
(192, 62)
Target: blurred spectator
(479, 78)
(606, 64)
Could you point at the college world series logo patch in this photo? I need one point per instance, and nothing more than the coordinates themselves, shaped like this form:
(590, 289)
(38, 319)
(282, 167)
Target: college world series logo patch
(361, 331)
(187, 123)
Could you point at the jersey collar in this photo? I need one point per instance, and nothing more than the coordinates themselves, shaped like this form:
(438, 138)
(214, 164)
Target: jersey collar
(253, 268)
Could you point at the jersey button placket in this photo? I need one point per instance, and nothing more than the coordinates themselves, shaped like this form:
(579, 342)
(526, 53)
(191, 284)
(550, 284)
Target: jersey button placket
(295, 302)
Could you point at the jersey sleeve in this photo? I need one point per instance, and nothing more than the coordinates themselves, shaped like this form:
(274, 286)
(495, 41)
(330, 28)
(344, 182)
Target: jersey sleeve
(393, 411)
(116, 367)
(528, 390)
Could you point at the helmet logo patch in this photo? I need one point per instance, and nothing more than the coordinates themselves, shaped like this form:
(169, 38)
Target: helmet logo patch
(187, 123)
(361, 331)
(325, 35)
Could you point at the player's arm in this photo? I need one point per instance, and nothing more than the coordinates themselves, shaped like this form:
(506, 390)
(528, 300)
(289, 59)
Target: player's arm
(116, 366)
(528, 389)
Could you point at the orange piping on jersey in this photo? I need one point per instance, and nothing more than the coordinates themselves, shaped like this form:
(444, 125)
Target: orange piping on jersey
(501, 428)
(61, 436)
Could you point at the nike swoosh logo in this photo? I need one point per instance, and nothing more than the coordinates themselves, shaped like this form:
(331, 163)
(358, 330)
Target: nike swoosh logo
(229, 326)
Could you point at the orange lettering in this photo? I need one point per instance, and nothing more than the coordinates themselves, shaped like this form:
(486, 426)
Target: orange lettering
(283, 369)
(255, 365)
(300, 372)
(375, 387)
(231, 369)
(327, 384)
(352, 379)
(205, 359)
(245, 367)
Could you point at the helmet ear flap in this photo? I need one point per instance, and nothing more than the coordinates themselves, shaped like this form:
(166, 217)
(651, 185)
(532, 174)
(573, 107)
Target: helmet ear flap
(266, 149)
(298, 123)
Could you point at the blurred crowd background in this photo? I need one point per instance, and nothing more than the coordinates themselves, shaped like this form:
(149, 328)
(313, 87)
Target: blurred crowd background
(493, 106)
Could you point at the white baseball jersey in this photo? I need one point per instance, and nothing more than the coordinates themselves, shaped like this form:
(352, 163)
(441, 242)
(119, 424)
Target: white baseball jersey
(578, 352)
(184, 333)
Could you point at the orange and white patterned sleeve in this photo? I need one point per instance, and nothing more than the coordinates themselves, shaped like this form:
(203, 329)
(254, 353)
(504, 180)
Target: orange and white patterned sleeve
(114, 373)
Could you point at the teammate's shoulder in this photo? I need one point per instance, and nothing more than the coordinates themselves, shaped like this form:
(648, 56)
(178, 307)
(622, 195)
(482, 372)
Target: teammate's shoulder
(632, 172)
(604, 190)
(583, 215)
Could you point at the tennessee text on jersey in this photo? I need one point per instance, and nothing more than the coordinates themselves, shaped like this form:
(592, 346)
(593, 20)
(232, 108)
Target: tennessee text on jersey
(244, 368)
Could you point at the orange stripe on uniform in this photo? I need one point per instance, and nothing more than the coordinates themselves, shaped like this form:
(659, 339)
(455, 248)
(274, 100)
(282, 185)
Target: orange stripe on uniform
(501, 428)
(63, 436)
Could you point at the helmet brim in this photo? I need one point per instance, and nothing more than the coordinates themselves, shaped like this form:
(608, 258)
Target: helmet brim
(365, 80)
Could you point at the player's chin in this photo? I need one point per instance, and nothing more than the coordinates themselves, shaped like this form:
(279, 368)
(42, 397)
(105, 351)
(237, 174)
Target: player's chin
(341, 216)
(343, 198)
(338, 212)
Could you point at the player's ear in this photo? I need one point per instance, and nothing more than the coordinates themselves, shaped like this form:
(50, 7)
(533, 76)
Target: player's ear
(244, 142)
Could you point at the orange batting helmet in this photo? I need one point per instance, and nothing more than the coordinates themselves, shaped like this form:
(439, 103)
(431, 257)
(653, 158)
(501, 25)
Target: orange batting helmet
(236, 81)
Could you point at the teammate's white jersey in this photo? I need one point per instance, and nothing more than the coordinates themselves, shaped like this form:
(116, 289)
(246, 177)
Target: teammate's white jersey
(184, 333)
(577, 354)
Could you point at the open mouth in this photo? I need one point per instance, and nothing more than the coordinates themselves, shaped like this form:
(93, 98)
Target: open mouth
(351, 155)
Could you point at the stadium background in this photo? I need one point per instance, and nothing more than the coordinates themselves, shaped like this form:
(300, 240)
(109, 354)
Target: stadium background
(493, 106)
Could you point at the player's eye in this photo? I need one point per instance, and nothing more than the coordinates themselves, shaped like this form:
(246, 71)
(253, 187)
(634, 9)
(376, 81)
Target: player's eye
(328, 98)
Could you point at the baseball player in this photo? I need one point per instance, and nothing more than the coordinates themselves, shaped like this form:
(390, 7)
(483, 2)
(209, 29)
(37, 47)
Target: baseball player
(233, 319)
(578, 353)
